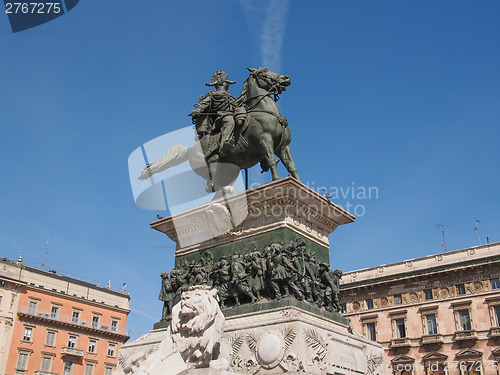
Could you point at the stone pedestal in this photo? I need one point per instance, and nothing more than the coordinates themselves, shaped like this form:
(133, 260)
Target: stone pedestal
(271, 336)
(285, 339)
(277, 211)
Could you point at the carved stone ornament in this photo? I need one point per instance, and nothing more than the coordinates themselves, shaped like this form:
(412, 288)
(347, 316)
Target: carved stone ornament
(316, 342)
(444, 293)
(218, 219)
(356, 306)
(412, 298)
(196, 329)
(383, 302)
(476, 287)
(269, 349)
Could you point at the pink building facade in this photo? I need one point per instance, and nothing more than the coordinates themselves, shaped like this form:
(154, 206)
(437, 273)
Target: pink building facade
(438, 314)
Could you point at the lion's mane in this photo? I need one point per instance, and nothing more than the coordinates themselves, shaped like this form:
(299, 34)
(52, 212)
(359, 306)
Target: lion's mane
(197, 325)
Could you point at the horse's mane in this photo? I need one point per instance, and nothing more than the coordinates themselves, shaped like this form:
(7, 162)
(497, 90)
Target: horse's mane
(241, 100)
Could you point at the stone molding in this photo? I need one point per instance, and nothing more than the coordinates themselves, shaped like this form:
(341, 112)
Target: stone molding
(450, 259)
(282, 203)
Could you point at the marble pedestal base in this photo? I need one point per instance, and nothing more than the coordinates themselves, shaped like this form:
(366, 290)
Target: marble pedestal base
(284, 340)
(289, 339)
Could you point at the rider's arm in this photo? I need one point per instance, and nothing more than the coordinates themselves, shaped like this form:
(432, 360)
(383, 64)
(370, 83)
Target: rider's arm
(203, 106)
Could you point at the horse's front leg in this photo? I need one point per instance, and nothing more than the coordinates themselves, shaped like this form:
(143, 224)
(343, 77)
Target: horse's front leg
(267, 146)
(285, 154)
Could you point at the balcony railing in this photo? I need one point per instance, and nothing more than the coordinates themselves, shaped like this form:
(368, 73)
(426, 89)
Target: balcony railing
(466, 335)
(72, 351)
(44, 373)
(432, 339)
(43, 314)
(400, 342)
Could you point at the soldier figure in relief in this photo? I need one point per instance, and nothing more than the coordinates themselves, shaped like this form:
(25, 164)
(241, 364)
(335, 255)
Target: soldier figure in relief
(166, 295)
(331, 281)
(240, 279)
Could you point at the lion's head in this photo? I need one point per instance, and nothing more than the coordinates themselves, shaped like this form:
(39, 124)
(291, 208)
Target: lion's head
(197, 325)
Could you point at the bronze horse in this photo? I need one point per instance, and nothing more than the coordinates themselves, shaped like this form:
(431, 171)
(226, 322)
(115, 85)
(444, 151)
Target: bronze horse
(266, 133)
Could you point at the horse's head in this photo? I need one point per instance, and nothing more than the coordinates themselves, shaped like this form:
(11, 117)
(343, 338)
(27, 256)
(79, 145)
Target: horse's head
(272, 82)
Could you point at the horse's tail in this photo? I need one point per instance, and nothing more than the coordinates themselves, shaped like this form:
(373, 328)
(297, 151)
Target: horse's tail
(175, 155)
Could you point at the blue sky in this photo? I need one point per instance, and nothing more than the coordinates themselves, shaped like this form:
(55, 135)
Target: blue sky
(398, 95)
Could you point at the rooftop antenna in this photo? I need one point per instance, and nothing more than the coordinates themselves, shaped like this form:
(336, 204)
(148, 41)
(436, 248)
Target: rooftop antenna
(477, 229)
(444, 238)
(46, 251)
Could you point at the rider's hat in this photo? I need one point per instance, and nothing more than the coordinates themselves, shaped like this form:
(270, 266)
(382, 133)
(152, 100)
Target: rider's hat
(219, 78)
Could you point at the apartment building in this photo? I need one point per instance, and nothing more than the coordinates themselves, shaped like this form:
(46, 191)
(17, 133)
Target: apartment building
(438, 314)
(56, 324)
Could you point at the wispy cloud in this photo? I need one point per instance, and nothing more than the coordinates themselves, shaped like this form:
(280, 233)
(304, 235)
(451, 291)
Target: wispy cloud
(269, 18)
(143, 314)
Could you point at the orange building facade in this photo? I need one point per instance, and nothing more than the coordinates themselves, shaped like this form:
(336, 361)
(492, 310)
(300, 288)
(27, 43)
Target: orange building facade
(65, 326)
(436, 315)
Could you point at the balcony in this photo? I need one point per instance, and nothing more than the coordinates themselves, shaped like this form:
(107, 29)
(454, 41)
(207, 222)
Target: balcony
(72, 351)
(403, 342)
(67, 319)
(495, 332)
(44, 373)
(432, 339)
(465, 335)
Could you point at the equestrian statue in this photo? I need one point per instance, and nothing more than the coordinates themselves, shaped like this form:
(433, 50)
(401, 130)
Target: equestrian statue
(235, 133)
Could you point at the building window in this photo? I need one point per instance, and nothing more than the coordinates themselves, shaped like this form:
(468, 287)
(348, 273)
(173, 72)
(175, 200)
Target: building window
(95, 322)
(496, 315)
(471, 366)
(28, 332)
(495, 283)
(343, 308)
(68, 368)
(22, 362)
(114, 326)
(460, 289)
(369, 304)
(400, 328)
(431, 324)
(371, 331)
(50, 339)
(92, 346)
(397, 299)
(75, 318)
(46, 363)
(428, 294)
(32, 308)
(71, 341)
(108, 370)
(89, 368)
(464, 322)
(111, 350)
(54, 312)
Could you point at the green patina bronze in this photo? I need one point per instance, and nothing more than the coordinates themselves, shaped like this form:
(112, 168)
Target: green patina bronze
(276, 270)
(258, 241)
(235, 133)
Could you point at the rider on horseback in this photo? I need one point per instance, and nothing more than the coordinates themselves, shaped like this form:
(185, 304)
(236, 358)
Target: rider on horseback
(219, 107)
